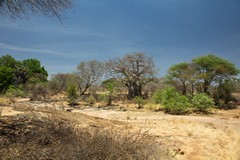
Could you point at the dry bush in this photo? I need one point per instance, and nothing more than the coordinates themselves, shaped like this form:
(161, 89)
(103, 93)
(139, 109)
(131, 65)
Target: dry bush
(32, 138)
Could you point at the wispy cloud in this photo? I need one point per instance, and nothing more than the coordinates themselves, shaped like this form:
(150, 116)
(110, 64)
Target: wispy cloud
(42, 51)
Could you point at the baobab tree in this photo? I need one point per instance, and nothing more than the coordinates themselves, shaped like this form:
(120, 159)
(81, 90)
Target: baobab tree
(134, 70)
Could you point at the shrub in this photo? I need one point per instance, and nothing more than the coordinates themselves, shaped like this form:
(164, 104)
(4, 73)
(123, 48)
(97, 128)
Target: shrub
(14, 92)
(91, 100)
(72, 94)
(38, 91)
(140, 101)
(172, 101)
(202, 102)
(223, 92)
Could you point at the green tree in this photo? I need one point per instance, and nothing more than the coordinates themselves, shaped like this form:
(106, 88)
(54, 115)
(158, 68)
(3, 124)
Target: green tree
(6, 78)
(223, 91)
(35, 72)
(210, 68)
(8, 61)
(7, 70)
(111, 85)
(72, 94)
(16, 73)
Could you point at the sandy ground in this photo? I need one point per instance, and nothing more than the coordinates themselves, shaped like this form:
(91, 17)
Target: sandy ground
(215, 137)
(199, 137)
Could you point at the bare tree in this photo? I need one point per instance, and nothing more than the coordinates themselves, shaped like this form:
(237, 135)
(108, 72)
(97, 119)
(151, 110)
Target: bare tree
(89, 73)
(134, 70)
(22, 8)
(60, 82)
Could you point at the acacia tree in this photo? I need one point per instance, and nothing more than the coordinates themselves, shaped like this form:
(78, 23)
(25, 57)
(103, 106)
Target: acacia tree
(89, 73)
(22, 8)
(182, 76)
(210, 69)
(134, 70)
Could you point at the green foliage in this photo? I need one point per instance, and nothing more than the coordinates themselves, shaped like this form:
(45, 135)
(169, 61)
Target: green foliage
(13, 72)
(181, 76)
(223, 92)
(111, 85)
(91, 100)
(140, 101)
(72, 94)
(35, 70)
(15, 92)
(210, 68)
(172, 101)
(6, 78)
(8, 61)
(202, 102)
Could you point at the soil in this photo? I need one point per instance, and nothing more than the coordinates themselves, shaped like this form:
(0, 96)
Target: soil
(192, 137)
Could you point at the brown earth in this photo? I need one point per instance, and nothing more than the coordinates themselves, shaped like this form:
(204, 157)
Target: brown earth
(194, 137)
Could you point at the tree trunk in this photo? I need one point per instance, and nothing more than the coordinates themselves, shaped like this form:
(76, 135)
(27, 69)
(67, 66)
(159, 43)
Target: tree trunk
(134, 90)
(184, 89)
(109, 100)
(205, 87)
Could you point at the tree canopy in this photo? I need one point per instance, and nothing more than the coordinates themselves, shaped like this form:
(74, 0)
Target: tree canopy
(181, 76)
(210, 68)
(89, 73)
(201, 73)
(15, 72)
(134, 70)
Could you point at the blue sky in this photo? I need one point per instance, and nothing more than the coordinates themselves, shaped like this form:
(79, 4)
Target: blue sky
(170, 31)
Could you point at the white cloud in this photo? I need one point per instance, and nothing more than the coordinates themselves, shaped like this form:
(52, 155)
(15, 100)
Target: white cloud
(42, 51)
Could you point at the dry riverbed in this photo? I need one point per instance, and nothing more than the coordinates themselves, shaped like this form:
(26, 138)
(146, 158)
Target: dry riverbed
(213, 137)
(195, 137)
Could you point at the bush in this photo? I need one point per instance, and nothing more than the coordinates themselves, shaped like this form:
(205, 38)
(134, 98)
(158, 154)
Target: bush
(202, 102)
(223, 92)
(15, 92)
(38, 91)
(72, 94)
(172, 101)
(140, 101)
(91, 100)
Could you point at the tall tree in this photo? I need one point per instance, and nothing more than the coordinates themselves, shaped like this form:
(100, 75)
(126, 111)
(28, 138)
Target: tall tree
(6, 78)
(15, 72)
(134, 70)
(89, 73)
(35, 72)
(7, 70)
(210, 68)
(22, 8)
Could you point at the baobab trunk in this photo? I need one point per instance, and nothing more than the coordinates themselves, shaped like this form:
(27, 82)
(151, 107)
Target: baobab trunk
(134, 90)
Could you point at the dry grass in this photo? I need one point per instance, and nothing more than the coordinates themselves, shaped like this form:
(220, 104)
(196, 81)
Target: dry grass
(26, 137)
